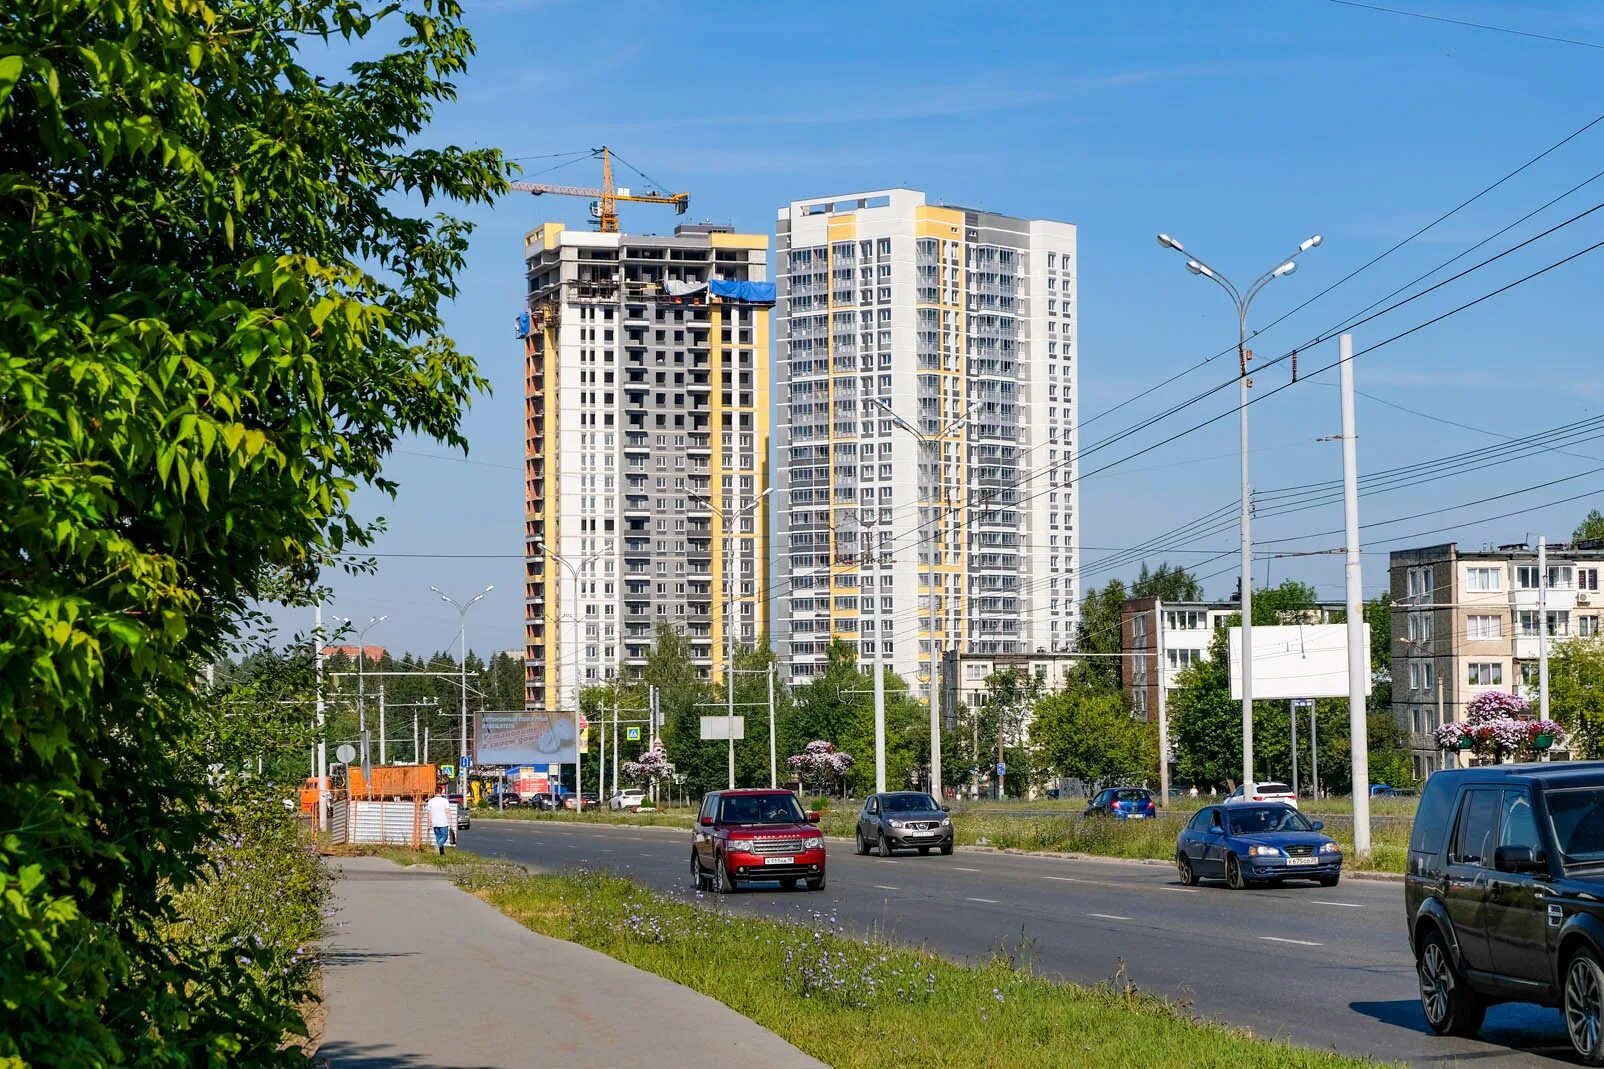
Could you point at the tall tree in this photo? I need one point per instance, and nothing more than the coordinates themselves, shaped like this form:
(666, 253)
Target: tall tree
(1092, 736)
(1170, 582)
(1591, 527)
(220, 308)
(1097, 635)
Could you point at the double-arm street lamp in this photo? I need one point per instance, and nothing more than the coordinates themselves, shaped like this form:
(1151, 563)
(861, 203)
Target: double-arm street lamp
(728, 521)
(361, 691)
(462, 608)
(938, 494)
(1242, 300)
(574, 571)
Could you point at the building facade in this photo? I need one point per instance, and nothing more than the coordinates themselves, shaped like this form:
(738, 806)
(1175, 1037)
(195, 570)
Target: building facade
(927, 363)
(1150, 659)
(1465, 622)
(646, 450)
(965, 677)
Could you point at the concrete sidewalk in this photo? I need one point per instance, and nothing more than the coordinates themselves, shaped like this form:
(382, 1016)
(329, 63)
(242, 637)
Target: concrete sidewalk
(418, 975)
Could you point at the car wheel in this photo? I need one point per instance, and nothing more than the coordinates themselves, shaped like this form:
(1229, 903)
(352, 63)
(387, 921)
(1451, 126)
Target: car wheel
(1330, 881)
(1451, 1008)
(883, 845)
(1233, 873)
(1584, 1007)
(721, 877)
(816, 883)
(862, 847)
(1183, 869)
(946, 848)
(702, 880)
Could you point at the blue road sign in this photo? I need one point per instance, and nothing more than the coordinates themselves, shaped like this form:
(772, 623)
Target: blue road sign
(632, 734)
(1002, 769)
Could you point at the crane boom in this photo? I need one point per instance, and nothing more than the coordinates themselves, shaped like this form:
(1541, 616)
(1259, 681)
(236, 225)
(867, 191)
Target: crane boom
(607, 195)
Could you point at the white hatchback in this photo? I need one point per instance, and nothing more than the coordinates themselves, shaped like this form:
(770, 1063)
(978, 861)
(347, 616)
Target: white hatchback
(630, 798)
(1263, 792)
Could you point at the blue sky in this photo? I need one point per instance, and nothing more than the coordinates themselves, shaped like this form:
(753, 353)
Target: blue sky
(1240, 128)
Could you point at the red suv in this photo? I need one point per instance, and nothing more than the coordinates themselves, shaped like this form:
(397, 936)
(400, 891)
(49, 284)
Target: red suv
(752, 835)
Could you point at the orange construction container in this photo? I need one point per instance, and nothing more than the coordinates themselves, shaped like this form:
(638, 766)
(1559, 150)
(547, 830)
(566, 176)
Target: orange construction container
(392, 781)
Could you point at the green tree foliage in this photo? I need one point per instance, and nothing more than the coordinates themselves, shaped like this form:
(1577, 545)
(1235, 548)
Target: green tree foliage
(1169, 582)
(1576, 691)
(1098, 631)
(838, 706)
(1591, 527)
(1092, 736)
(219, 311)
(999, 733)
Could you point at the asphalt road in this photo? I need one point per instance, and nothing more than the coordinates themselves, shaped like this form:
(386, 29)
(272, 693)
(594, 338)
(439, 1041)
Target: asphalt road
(1321, 967)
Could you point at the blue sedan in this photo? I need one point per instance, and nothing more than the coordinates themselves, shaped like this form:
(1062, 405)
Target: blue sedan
(1248, 844)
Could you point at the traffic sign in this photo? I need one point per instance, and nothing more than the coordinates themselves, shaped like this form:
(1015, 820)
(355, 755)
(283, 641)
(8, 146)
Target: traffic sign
(346, 753)
(1002, 769)
(1303, 703)
(448, 771)
(632, 734)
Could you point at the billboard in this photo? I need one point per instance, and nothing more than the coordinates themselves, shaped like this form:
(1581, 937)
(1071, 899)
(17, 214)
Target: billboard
(720, 727)
(526, 737)
(1297, 661)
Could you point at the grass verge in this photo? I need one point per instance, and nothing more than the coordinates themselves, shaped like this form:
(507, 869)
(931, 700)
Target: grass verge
(861, 1003)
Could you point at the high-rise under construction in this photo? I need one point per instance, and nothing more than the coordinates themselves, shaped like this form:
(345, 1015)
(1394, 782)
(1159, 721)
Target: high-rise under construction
(646, 451)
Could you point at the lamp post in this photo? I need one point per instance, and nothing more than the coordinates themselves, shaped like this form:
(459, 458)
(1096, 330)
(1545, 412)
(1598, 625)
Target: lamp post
(361, 690)
(728, 520)
(462, 640)
(574, 571)
(938, 468)
(1242, 301)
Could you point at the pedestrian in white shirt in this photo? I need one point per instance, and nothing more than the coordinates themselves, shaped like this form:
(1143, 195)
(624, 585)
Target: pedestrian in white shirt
(440, 819)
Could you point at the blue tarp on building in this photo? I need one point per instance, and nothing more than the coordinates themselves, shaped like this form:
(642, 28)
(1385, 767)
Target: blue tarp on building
(755, 292)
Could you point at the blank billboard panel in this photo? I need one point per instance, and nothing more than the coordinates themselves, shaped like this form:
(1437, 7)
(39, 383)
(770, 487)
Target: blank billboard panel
(1297, 661)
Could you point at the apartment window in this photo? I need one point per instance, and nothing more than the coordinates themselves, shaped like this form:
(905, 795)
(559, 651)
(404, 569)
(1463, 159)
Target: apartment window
(1587, 579)
(1139, 627)
(1420, 626)
(1485, 674)
(1587, 626)
(1420, 584)
(1559, 624)
(1483, 627)
(1482, 580)
(1422, 675)
(1526, 577)
(1185, 620)
(1528, 622)
(1183, 658)
(1139, 703)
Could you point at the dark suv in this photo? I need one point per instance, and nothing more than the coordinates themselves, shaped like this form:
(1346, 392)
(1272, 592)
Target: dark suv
(755, 835)
(1505, 896)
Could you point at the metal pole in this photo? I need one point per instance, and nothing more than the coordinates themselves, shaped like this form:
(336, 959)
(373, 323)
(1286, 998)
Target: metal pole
(462, 639)
(615, 741)
(774, 768)
(1292, 708)
(322, 739)
(878, 668)
(384, 756)
(1314, 760)
(361, 700)
(1358, 652)
(573, 666)
(601, 763)
(417, 753)
(1542, 626)
(936, 660)
(729, 654)
(1247, 554)
(1163, 705)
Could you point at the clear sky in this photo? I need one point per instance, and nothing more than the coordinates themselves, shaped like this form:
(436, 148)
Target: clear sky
(1239, 127)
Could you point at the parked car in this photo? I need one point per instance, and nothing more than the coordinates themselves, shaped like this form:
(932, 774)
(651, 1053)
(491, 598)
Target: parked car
(588, 800)
(1244, 844)
(1263, 792)
(507, 800)
(1122, 803)
(1504, 896)
(630, 798)
(545, 801)
(903, 819)
(755, 835)
(461, 805)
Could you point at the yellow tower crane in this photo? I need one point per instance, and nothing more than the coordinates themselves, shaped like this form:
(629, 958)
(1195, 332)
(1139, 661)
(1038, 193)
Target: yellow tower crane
(604, 206)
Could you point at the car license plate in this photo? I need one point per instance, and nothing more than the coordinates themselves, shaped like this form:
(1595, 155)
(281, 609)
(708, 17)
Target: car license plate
(1303, 861)
(779, 861)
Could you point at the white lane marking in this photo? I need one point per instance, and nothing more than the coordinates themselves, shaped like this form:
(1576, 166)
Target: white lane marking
(1108, 916)
(988, 901)
(960, 868)
(1295, 942)
(1065, 879)
(884, 887)
(1183, 890)
(1344, 905)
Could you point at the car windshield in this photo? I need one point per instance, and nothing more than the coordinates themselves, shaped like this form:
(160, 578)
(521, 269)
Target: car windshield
(1577, 819)
(1273, 788)
(909, 803)
(1264, 819)
(760, 809)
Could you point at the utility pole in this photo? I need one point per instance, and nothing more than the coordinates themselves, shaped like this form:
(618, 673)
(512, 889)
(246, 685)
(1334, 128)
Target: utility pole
(1163, 704)
(1358, 652)
(774, 768)
(1314, 760)
(729, 649)
(1292, 710)
(384, 757)
(878, 667)
(601, 763)
(322, 737)
(615, 741)
(462, 640)
(1542, 626)
(417, 753)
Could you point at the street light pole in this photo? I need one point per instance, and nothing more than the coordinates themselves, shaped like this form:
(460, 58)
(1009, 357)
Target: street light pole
(462, 642)
(1242, 301)
(573, 617)
(938, 470)
(361, 690)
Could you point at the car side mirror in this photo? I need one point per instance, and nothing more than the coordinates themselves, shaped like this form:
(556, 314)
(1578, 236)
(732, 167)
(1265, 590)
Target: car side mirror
(1518, 859)
(813, 817)
(946, 809)
(706, 822)
(1317, 825)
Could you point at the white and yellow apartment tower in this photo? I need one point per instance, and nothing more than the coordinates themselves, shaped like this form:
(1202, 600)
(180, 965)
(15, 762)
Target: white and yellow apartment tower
(963, 323)
(646, 425)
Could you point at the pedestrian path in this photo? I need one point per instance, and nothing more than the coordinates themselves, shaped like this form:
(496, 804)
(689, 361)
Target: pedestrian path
(421, 975)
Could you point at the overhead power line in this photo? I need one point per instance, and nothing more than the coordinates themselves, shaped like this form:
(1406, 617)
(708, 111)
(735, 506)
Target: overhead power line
(1468, 24)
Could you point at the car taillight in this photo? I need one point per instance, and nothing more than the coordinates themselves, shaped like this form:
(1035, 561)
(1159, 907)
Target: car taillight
(1258, 797)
